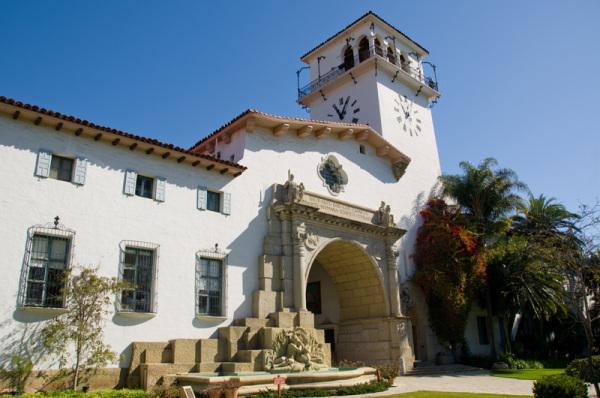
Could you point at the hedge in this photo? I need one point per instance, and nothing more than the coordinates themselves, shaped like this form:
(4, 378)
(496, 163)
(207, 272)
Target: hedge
(560, 386)
(92, 394)
(581, 368)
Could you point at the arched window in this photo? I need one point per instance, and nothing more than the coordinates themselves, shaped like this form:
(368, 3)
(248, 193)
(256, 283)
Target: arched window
(363, 49)
(391, 56)
(378, 49)
(348, 58)
(404, 64)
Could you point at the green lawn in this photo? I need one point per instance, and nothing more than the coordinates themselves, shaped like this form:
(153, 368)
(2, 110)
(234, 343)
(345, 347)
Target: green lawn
(432, 394)
(526, 374)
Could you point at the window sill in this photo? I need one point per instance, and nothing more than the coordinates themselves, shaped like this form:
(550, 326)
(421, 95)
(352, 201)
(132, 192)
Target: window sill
(136, 315)
(43, 310)
(212, 318)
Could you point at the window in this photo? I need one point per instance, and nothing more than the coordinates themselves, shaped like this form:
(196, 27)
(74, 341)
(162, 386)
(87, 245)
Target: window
(144, 186)
(209, 286)
(219, 155)
(46, 272)
(362, 149)
(391, 56)
(363, 49)
(482, 330)
(61, 168)
(137, 270)
(378, 49)
(348, 58)
(213, 201)
(232, 158)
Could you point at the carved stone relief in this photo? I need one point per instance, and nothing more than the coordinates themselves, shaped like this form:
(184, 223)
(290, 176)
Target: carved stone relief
(295, 350)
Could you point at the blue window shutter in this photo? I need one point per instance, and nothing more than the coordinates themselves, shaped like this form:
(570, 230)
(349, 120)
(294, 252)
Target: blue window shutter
(159, 189)
(44, 159)
(80, 171)
(130, 180)
(226, 208)
(202, 197)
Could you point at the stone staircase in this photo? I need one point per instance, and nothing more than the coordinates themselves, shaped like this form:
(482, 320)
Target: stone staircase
(426, 368)
(238, 348)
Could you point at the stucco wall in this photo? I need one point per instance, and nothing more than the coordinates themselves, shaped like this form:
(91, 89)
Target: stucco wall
(102, 216)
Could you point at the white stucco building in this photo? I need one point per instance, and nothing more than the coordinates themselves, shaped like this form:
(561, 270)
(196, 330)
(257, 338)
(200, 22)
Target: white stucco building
(220, 231)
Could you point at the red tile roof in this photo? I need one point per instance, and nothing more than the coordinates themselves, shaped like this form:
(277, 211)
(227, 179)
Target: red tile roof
(283, 118)
(135, 137)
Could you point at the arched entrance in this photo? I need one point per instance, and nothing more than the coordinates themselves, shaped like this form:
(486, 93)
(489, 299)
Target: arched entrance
(318, 247)
(344, 288)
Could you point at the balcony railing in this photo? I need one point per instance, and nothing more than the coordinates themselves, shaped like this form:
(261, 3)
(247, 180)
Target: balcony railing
(350, 62)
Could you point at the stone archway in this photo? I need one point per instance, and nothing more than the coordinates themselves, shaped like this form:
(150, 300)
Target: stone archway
(355, 247)
(351, 288)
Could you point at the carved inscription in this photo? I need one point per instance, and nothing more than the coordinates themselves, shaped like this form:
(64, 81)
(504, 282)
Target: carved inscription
(338, 209)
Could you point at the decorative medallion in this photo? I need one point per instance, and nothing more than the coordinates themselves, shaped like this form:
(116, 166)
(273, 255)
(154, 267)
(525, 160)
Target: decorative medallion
(333, 176)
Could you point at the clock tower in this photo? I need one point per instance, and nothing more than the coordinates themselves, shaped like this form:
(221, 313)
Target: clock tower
(372, 73)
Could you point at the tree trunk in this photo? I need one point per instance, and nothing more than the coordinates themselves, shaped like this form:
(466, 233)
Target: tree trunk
(490, 323)
(76, 374)
(507, 333)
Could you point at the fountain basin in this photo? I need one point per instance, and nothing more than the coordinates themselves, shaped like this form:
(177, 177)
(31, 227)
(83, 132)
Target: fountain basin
(254, 382)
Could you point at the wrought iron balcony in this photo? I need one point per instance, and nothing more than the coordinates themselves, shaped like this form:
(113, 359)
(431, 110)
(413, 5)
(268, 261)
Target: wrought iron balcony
(363, 55)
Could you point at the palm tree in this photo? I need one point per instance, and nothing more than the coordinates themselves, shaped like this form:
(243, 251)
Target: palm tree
(487, 196)
(543, 216)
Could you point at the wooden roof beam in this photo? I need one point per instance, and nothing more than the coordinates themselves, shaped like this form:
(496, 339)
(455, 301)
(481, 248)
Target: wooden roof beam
(281, 129)
(305, 131)
(323, 132)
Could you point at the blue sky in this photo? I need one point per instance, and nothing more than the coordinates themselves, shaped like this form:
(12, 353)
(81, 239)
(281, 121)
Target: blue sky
(519, 79)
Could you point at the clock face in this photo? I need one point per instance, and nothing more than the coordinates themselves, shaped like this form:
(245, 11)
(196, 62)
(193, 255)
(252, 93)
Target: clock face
(407, 115)
(345, 109)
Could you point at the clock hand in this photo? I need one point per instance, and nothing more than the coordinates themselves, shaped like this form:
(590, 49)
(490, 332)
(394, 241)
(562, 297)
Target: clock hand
(345, 105)
(340, 114)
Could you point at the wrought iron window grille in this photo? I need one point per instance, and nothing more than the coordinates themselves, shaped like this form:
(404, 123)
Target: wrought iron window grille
(53, 230)
(138, 265)
(211, 283)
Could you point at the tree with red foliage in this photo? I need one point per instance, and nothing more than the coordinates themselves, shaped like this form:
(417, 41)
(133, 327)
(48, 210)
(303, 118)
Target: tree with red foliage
(449, 269)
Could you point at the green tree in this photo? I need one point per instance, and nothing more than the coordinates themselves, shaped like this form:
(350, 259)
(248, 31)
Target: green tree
(80, 328)
(525, 272)
(487, 196)
(580, 253)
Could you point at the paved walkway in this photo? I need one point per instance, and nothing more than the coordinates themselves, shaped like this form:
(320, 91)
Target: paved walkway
(478, 382)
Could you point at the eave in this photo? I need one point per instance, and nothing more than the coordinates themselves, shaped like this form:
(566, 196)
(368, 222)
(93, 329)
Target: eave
(84, 129)
(279, 126)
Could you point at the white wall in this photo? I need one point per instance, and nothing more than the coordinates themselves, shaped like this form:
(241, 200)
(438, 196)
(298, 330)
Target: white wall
(472, 333)
(102, 216)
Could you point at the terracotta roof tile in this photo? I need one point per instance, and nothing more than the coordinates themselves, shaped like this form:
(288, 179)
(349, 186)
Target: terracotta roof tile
(86, 123)
(283, 118)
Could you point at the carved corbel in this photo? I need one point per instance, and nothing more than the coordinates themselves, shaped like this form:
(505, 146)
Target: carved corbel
(399, 168)
(281, 129)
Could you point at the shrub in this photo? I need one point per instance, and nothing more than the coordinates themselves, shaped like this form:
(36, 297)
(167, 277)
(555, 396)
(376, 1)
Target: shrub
(17, 373)
(559, 386)
(389, 372)
(581, 368)
(92, 394)
(516, 363)
(366, 388)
